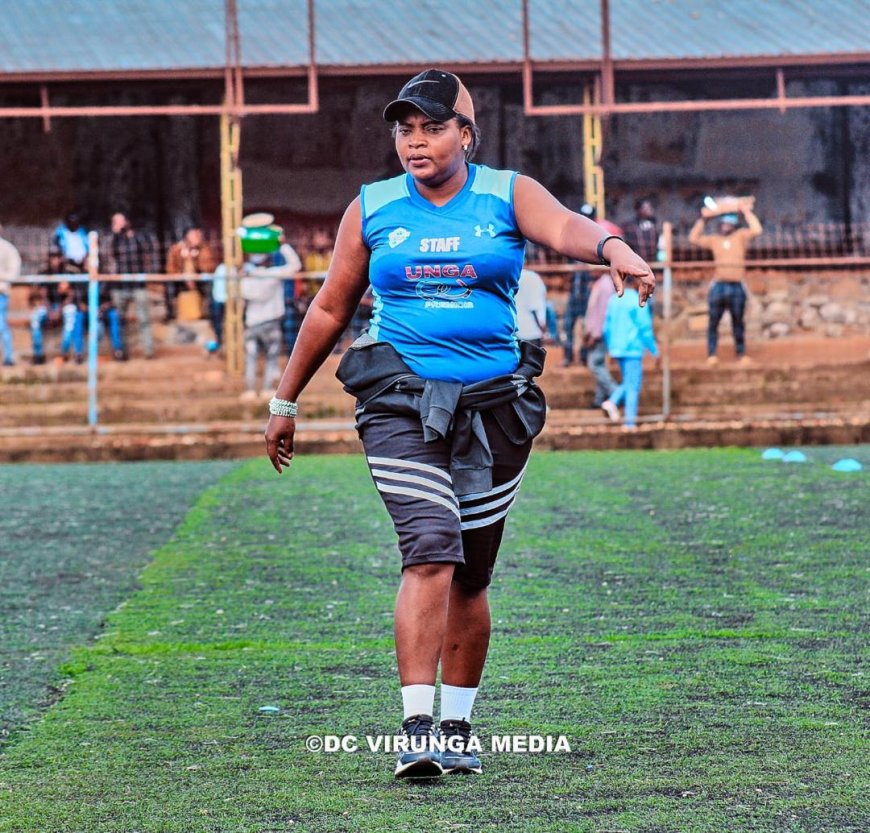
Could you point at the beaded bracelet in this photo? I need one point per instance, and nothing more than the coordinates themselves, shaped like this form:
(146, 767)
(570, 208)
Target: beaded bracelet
(283, 408)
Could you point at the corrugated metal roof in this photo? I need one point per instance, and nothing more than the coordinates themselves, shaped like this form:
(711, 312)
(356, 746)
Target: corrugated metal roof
(74, 36)
(667, 29)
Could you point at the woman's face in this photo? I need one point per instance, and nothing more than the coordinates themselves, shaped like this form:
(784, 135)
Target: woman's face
(431, 151)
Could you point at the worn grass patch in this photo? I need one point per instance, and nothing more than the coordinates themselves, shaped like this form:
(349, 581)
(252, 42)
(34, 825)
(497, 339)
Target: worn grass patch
(694, 622)
(73, 540)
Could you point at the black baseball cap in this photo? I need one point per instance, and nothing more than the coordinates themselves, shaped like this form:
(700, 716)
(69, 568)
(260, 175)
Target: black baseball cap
(436, 93)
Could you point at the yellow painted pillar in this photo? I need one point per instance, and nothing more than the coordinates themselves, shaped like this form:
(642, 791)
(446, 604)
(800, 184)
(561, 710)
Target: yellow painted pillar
(593, 145)
(231, 217)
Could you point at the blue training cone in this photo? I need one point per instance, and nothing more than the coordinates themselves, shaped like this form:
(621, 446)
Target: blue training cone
(772, 454)
(847, 464)
(794, 457)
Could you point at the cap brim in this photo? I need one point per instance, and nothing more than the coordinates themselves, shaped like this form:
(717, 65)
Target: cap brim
(432, 109)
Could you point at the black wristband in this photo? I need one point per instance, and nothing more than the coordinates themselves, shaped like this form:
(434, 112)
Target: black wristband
(600, 250)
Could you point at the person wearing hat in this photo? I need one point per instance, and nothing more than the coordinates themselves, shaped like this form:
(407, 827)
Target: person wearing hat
(447, 406)
(727, 291)
(268, 263)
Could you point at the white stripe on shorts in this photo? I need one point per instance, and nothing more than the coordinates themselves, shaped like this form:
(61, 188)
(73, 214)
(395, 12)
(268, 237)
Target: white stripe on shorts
(412, 478)
(493, 504)
(402, 490)
(492, 492)
(476, 524)
(409, 464)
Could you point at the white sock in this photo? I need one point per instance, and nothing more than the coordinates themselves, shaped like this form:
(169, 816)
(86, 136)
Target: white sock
(457, 702)
(418, 699)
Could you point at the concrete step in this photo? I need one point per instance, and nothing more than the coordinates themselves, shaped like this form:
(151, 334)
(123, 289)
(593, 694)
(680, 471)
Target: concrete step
(198, 400)
(180, 409)
(148, 442)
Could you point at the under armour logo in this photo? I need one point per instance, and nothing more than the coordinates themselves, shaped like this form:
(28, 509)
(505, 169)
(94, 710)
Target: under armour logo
(489, 229)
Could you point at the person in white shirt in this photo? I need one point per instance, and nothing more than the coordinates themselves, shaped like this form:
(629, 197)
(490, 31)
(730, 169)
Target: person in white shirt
(10, 270)
(262, 288)
(531, 301)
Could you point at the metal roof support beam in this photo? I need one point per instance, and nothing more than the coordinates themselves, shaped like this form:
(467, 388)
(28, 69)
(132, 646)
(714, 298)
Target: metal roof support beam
(608, 83)
(699, 105)
(46, 104)
(609, 106)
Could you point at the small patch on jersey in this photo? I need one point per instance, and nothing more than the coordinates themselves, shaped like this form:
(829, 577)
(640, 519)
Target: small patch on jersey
(398, 236)
(489, 229)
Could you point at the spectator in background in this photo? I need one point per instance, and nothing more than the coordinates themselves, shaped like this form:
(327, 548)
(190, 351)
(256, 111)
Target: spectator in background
(295, 299)
(217, 307)
(73, 309)
(628, 332)
(68, 249)
(190, 256)
(10, 271)
(363, 315)
(578, 295)
(727, 291)
(300, 293)
(593, 338)
(642, 233)
(134, 253)
(283, 263)
(262, 288)
(531, 303)
(318, 258)
(67, 255)
(73, 314)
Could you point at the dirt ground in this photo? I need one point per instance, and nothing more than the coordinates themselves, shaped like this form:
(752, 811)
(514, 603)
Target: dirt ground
(800, 351)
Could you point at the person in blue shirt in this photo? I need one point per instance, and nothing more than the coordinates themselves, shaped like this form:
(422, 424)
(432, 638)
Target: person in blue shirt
(67, 254)
(628, 334)
(446, 403)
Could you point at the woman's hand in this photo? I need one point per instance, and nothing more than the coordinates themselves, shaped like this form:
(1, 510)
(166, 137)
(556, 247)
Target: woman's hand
(279, 441)
(625, 262)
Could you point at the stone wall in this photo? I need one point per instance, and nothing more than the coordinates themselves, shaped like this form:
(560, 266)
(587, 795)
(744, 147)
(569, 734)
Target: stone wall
(823, 304)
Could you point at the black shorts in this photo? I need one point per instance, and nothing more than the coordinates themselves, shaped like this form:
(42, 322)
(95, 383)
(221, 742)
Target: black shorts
(433, 523)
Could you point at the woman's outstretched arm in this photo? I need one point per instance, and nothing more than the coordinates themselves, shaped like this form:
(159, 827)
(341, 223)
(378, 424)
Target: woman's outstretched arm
(327, 318)
(544, 220)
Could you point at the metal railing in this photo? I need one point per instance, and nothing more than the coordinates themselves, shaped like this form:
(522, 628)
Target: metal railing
(669, 272)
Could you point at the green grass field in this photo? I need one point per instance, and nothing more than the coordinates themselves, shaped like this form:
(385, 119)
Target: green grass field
(694, 622)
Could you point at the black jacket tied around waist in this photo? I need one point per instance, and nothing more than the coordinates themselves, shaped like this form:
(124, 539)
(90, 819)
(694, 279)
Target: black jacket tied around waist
(382, 383)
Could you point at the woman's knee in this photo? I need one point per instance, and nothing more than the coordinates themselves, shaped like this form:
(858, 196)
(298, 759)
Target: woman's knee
(430, 570)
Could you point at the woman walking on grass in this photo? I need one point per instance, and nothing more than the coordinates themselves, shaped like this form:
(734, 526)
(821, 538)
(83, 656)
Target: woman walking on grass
(447, 406)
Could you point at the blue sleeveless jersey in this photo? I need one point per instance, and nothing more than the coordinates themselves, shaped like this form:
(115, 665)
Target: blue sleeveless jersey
(444, 277)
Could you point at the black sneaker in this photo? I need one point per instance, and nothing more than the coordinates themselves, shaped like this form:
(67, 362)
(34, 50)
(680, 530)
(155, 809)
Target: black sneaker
(421, 759)
(39, 358)
(456, 756)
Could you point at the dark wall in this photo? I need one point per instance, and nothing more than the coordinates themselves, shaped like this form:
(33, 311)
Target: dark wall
(149, 168)
(807, 165)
